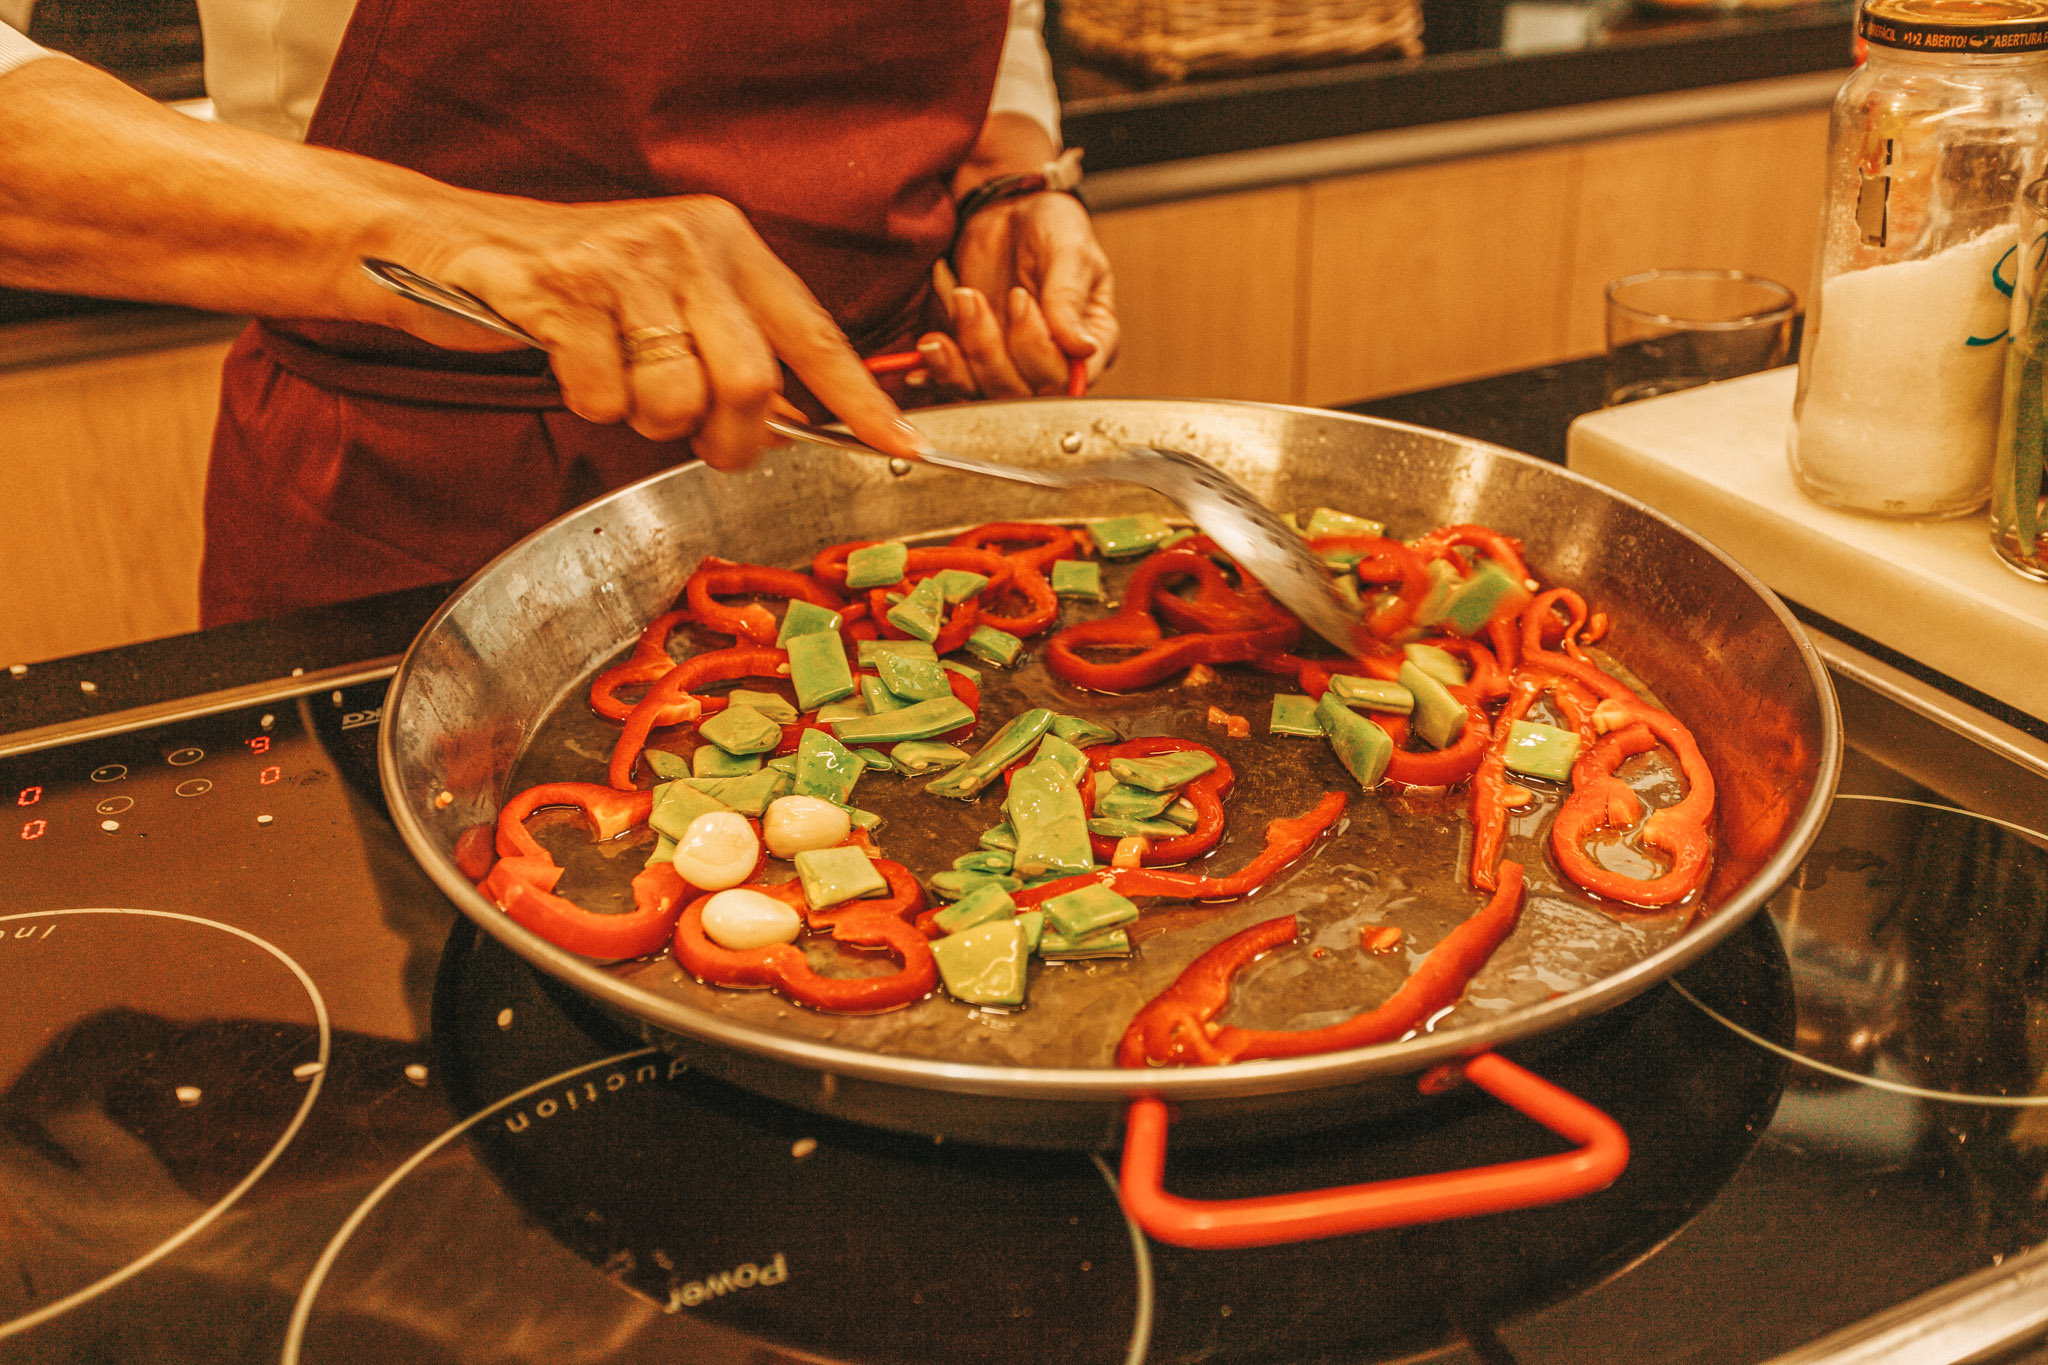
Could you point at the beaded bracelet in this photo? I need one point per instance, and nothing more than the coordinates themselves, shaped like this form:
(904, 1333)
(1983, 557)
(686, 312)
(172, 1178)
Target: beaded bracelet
(1062, 176)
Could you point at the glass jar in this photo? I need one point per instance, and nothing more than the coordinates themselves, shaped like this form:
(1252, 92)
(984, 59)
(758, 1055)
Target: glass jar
(1903, 359)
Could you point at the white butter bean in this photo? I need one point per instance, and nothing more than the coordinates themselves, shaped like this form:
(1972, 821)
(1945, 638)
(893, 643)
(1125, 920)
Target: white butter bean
(799, 824)
(718, 850)
(742, 919)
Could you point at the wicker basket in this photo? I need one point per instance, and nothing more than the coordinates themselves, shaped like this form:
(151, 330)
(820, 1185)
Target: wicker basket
(1170, 40)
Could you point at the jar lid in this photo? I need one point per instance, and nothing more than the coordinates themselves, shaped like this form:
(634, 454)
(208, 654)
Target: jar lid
(1965, 28)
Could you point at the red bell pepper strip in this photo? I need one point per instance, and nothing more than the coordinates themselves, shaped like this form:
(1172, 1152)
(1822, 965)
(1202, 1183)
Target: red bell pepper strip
(1042, 542)
(1493, 795)
(1216, 606)
(522, 882)
(828, 566)
(1287, 838)
(1539, 620)
(1205, 793)
(959, 624)
(1389, 562)
(1600, 800)
(670, 700)
(1486, 680)
(649, 661)
(1437, 767)
(752, 622)
(881, 923)
(1175, 1027)
(1503, 550)
(1156, 655)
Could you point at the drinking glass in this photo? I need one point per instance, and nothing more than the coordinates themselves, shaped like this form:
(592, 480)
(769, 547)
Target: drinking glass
(2016, 501)
(1673, 329)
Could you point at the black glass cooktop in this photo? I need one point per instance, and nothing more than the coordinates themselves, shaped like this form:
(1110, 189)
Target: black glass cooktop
(264, 1096)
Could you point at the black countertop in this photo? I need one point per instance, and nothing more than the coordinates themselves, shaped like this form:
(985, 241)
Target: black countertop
(1484, 58)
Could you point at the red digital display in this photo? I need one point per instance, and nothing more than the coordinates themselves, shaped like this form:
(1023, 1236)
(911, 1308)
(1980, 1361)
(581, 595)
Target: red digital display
(29, 796)
(34, 829)
(270, 774)
(258, 745)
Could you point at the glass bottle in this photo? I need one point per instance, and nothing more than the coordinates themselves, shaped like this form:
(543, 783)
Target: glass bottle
(1903, 359)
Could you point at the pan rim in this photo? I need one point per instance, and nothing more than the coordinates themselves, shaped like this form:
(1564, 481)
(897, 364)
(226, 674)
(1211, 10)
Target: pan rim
(1094, 1086)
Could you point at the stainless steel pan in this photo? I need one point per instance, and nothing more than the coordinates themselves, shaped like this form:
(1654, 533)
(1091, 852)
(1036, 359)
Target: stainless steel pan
(1710, 641)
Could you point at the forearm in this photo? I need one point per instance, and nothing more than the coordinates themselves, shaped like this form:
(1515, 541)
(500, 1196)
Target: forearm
(103, 191)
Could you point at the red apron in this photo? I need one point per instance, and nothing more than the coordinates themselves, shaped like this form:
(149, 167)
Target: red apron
(350, 459)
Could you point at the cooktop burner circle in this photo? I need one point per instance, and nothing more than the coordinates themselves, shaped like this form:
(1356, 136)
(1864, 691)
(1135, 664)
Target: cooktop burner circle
(1915, 931)
(128, 1101)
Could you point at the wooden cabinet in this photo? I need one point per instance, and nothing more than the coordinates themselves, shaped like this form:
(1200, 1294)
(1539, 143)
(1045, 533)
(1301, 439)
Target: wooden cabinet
(1422, 275)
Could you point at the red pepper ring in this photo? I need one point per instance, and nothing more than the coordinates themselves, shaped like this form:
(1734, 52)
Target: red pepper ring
(1437, 767)
(959, 623)
(1206, 793)
(828, 566)
(649, 661)
(1174, 1028)
(1539, 618)
(1491, 787)
(1385, 561)
(522, 882)
(1503, 550)
(752, 622)
(1600, 800)
(783, 967)
(1045, 542)
(1216, 606)
(670, 700)
(1287, 839)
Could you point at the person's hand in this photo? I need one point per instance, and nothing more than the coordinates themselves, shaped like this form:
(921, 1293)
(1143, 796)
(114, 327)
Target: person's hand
(1035, 294)
(666, 314)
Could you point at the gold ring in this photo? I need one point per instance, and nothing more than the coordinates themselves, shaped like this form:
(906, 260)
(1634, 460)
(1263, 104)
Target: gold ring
(656, 343)
(671, 351)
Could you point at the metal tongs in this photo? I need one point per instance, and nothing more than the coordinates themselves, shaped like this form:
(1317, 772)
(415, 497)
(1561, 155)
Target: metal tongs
(1243, 527)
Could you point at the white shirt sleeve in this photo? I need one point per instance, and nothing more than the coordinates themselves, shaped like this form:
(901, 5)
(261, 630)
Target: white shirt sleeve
(1024, 82)
(17, 50)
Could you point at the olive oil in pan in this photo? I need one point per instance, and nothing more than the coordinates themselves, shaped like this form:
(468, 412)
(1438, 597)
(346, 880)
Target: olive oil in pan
(1394, 859)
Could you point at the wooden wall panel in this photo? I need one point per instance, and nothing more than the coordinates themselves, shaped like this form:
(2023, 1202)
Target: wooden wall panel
(1744, 195)
(1206, 292)
(104, 463)
(1431, 274)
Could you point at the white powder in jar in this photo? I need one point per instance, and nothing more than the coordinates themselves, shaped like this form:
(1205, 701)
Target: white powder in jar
(1900, 412)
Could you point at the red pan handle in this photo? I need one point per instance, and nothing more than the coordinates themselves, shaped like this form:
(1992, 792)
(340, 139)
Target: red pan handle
(1271, 1219)
(895, 362)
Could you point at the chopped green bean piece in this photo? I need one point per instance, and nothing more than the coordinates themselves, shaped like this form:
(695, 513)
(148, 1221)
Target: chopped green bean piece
(911, 678)
(805, 618)
(1000, 836)
(985, 965)
(817, 666)
(1032, 922)
(915, 757)
(1081, 733)
(983, 904)
(1347, 588)
(1111, 827)
(985, 860)
(1162, 772)
(1071, 761)
(1117, 537)
(1004, 747)
(1123, 802)
(993, 646)
(871, 651)
(664, 851)
(1077, 578)
(1439, 717)
(1182, 812)
(708, 760)
(784, 764)
(1490, 591)
(748, 795)
(862, 819)
(741, 730)
(1184, 533)
(1294, 716)
(1325, 521)
(957, 885)
(843, 710)
(676, 804)
(919, 720)
(1054, 946)
(1443, 581)
(1362, 747)
(833, 875)
(1045, 809)
(665, 764)
(1373, 694)
(1538, 750)
(826, 768)
(922, 613)
(967, 671)
(1446, 667)
(957, 585)
(1091, 909)
(773, 705)
(877, 566)
(874, 760)
(880, 700)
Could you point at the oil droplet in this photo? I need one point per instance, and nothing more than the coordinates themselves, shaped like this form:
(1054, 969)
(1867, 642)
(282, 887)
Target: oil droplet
(267, 721)
(110, 825)
(803, 1147)
(264, 819)
(88, 687)
(18, 670)
(505, 1017)
(416, 1073)
(899, 467)
(1071, 442)
(443, 800)
(188, 1095)
(335, 697)
(298, 673)
(306, 1071)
